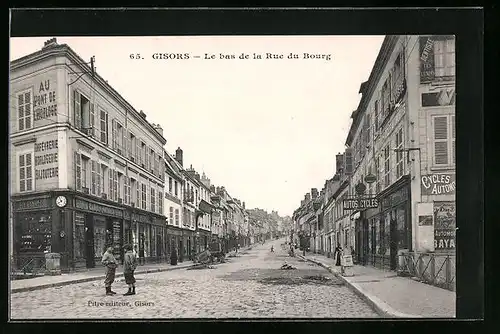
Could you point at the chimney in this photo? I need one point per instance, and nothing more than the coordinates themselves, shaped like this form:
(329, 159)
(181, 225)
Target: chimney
(212, 189)
(314, 193)
(143, 115)
(158, 129)
(178, 156)
(308, 197)
(50, 43)
(243, 204)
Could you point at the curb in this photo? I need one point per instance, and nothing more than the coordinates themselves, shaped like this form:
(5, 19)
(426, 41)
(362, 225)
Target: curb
(90, 279)
(382, 308)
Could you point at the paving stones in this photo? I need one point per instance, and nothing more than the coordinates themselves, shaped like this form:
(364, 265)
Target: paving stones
(231, 290)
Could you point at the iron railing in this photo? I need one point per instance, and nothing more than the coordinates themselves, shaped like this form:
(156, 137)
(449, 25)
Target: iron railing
(27, 265)
(430, 268)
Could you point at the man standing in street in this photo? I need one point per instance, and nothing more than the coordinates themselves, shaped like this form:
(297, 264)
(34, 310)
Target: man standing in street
(129, 266)
(109, 261)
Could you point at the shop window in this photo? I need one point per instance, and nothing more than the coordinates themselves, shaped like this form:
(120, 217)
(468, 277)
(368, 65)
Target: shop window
(35, 232)
(402, 228)
(444, 140)
(444, 58)
(26, 170)
(100, 236)
(25, 110)
(79, 236)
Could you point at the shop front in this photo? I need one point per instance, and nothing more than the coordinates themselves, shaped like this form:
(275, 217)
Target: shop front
(390, 229)
(147, 233)
(174, 240)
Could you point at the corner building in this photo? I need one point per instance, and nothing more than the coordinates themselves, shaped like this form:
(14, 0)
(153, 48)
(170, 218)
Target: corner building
(84, 165)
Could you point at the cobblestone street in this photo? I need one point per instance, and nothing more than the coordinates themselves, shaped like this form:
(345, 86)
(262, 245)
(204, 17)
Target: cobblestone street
(250, 285)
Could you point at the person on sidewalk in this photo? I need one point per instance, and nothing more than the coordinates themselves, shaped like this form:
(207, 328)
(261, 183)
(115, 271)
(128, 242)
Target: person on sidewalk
(129, 266)
(272, 249)
(337, 255)
(109, 261)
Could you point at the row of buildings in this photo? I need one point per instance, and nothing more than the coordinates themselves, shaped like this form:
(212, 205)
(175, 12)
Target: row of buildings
(392, 195)
(87, 170)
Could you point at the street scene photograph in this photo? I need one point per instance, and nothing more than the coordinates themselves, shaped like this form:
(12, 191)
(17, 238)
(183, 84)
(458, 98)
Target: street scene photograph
(232, 177)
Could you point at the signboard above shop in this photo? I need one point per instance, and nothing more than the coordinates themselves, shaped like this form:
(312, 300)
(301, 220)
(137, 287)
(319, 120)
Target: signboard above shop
(360, 203)
(438, 184)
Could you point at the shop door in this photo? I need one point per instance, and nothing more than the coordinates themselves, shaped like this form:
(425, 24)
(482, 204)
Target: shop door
(393, 242)
(181, 250)
(89, 242)
(159, 246)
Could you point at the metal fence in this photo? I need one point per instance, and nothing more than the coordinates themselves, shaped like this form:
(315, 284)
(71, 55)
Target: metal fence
(27, 265)
(430, 268)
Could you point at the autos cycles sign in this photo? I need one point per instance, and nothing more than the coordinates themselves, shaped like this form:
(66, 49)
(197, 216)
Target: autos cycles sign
(438, 184)
(360, 203)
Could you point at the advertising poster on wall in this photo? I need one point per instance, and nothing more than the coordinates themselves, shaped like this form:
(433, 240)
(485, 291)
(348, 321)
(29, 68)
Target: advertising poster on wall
(444, 225)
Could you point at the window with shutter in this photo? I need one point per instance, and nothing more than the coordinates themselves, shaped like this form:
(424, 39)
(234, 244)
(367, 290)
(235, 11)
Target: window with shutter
(387, 166)
(137, 194)
(103, 118)
(153, 200)
(114, 134)
(441, 140)
(26, 172)
(148, 157)
(130, 143)
(123, 137)
(92, 121)
(160, 202)
(78, 171)
(94, 182)
(98, 179)
(171, 215)
(143, 196)
(138, 157)
(24, 109)
(110, 184)
(115, 185)
(77, 109)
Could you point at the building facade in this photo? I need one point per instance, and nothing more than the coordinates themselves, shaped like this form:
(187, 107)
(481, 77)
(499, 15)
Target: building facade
(84, 164)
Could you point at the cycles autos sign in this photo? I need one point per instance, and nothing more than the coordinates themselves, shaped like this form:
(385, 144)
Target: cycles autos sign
(360, 203)
(438, 184)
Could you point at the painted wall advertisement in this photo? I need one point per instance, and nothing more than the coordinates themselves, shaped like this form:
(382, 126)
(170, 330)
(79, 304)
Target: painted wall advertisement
(438, 184)
(426, 58)
(46, 162)
(444, 225)
(44, 102)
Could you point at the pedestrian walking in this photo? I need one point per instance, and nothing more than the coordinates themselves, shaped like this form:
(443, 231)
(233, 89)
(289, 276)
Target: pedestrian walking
(109, 261)
(337, 254)
(129, 266)
(272, 249)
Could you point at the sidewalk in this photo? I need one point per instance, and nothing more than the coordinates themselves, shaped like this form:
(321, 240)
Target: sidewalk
(95, 274)
(390, 295)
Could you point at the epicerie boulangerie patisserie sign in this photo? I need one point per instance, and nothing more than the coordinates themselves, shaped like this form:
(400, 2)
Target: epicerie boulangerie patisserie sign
(438, 184)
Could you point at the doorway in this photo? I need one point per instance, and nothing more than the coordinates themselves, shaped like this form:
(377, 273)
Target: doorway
(89, 242)
(181, 250)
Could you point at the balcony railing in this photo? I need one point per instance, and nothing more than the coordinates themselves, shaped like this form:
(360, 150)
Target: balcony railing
(430, 268)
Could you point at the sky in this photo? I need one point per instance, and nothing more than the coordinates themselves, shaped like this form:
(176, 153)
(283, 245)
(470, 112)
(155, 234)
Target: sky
(266, 129)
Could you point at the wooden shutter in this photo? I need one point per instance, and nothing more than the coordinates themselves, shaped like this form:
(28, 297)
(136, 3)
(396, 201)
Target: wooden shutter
(92, 120)
(441, 140)
(110, 184)
(114, 134)
(77, 109)
(29, 172)
(93, 185)
(129, 145)
(78, 171)
(98, 179)
(124, 142)
(147, 158)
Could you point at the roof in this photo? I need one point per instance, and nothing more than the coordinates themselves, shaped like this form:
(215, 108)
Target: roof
(64, 50)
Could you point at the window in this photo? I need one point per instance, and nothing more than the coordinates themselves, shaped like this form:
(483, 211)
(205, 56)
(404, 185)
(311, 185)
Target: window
(85, 184)
(177, 217)
(120, 194)
(171, 215)
(444, 140)
(160, 202)
(399, 154)
(83, 113)
(169, 184)
(116, 189)
(119, 138)
(93, 187)
(143, 155)
(104, 127)
(137, 194)
(143, 193)
(25, 110)
(156, 161)
(387, 166)
(26, 172)
(176, 188)
(132, 146)
(151, 155)
(126, 189)
(153, 200)
(444, 58)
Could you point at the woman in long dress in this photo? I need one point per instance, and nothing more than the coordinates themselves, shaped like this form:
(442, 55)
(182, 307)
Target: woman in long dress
(337, 254)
